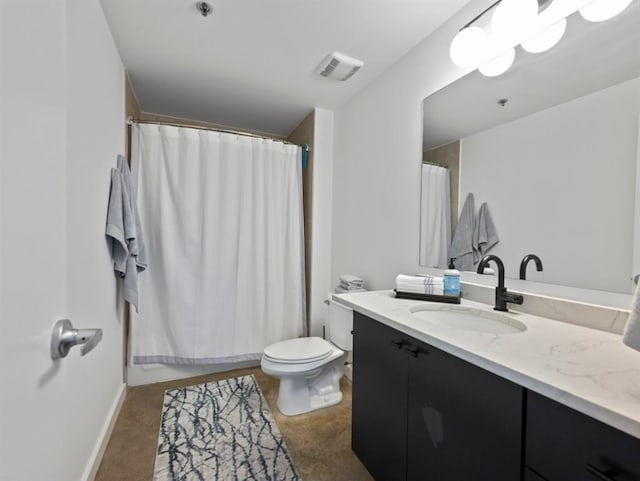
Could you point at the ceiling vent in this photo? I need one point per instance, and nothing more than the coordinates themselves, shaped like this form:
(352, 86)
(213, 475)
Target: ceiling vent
(338, 66)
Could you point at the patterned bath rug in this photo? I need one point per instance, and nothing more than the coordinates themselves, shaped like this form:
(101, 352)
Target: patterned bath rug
(221, 431)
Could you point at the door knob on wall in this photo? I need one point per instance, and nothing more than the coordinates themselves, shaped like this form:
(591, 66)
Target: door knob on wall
(64, 337)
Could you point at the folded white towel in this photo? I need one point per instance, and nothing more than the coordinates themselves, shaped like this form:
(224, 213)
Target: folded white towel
(426, 287)
(631, 335)
(418, 280)
(350, 279)
(342, 290)
(350, 288)
(348, 285)
(439, 291)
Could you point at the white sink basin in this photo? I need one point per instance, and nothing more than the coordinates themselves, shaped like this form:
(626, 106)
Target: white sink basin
(469, 319)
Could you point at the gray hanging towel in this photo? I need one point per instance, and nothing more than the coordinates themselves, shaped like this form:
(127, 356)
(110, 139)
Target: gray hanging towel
(631, 335)
(140, 252)
(485, 235)
(127, 248)
(462, 244)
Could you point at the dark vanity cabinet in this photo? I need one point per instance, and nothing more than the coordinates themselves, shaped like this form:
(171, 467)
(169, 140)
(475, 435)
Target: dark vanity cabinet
(421, 414)
(464, 423)
(379, 419)
(565, 445)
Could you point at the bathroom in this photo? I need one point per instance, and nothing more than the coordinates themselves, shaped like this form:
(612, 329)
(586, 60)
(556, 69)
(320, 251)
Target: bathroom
(63, 101)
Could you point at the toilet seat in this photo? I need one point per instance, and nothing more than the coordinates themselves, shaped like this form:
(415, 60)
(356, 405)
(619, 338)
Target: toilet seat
(298, 351)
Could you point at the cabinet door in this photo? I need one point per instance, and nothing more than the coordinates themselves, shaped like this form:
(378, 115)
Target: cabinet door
(379, 398)
(530, 475)
(464, 423)
(563, 444)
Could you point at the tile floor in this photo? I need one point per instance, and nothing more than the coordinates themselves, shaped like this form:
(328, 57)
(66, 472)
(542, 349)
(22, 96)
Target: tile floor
(319, 442)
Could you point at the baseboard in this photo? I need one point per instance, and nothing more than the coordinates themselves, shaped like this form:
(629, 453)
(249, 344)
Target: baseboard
(98, 452)
(348, 371)
(139, 374)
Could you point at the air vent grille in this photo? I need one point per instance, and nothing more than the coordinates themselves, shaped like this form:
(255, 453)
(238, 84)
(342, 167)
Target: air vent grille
(339, 66)
(331, 67)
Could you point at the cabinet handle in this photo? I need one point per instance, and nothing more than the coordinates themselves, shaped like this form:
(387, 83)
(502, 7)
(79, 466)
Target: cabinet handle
(607, 475)
(400, 344)
(413, 351)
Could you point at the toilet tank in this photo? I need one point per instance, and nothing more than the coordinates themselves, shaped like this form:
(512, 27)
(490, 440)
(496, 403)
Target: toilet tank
(340, 325)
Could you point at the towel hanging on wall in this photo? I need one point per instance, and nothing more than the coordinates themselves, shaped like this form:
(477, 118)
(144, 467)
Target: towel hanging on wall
(126, 246)
(462, 245)
(485, 235)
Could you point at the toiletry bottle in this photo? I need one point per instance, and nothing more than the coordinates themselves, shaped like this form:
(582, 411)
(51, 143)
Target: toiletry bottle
(451, 280)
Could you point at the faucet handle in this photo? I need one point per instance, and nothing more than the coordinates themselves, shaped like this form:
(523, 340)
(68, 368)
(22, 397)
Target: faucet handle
(513, 298)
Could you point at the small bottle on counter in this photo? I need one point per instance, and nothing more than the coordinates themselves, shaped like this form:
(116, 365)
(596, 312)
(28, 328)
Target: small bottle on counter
(451, 281)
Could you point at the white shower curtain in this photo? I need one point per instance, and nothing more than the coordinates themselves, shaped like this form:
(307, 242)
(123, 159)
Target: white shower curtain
(435, 212)
(222, 216)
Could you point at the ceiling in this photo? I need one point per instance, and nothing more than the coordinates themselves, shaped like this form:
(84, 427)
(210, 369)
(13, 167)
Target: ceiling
(250, 64)
(590, 57)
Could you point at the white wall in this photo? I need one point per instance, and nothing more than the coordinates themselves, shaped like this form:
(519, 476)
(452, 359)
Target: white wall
(561, 183)
(95, 136)
(61, 88)
(321, 232)
(376, 179)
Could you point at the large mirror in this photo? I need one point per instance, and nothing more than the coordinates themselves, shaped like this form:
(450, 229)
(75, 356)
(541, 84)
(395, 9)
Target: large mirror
(551, 146)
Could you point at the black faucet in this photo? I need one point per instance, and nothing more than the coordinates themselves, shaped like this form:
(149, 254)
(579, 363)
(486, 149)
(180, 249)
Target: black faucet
(502, 295)
(525, 261)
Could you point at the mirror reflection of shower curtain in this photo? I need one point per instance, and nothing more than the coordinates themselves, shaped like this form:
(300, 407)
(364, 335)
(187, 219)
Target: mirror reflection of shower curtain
(435, 216)
(222, 216)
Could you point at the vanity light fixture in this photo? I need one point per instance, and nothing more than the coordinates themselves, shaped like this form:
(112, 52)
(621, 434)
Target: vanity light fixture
(488, 42)
(602, 10)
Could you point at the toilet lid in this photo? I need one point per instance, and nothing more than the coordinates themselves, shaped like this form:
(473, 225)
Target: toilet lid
(302, 349)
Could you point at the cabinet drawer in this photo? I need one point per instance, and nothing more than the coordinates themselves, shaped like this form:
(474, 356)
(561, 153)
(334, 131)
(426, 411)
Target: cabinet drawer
(565, 445)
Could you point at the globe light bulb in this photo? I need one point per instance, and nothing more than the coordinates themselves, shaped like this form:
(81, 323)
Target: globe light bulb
(499, 64)
(601, 10)
(545, 39)
(469, 47)
(511, 18)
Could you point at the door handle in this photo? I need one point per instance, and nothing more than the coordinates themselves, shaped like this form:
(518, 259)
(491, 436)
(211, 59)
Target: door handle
(400, 344)
(64, 337)
(413, 351)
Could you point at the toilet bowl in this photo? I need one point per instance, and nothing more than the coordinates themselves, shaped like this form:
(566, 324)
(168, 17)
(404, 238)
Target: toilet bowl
(310, 368)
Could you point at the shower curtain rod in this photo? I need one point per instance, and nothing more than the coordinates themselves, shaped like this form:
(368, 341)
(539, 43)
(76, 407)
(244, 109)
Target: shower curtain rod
(131, 120)
(434, 164)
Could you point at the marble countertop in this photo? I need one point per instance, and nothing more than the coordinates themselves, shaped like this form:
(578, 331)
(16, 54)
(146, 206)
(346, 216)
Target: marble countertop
(586, 369)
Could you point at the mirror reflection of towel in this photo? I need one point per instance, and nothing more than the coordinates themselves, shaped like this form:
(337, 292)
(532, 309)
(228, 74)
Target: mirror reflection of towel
(485, 235)
(631, 335)
(462, 244)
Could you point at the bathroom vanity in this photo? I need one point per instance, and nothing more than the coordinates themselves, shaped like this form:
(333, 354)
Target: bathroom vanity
(538, 400)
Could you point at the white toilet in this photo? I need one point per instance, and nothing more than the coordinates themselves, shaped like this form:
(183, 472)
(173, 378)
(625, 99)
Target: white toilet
(310, 368)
